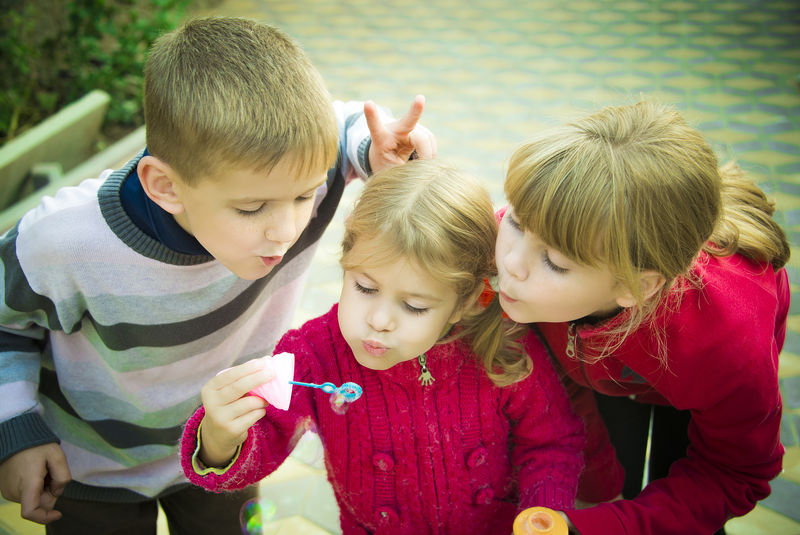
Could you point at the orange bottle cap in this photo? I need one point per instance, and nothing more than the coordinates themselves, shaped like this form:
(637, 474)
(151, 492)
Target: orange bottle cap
(540, 521)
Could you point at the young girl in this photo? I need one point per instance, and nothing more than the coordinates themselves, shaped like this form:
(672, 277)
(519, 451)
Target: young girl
(440, 441)
(656, 279)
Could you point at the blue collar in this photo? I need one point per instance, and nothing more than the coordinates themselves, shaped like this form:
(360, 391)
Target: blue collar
(154, 220)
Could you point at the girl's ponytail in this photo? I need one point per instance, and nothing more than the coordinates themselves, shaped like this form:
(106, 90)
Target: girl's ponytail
(746, 225)
(492, 339)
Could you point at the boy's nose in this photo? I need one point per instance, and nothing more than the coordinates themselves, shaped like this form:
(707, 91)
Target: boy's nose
(281, 226)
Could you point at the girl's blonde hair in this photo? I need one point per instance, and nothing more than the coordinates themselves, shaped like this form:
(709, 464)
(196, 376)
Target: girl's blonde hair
(636, 188)
(429, 212)
(226, 91)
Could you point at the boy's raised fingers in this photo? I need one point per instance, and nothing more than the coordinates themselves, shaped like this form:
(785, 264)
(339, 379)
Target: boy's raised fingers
(424, 142)
(408, 122)
(374, 122)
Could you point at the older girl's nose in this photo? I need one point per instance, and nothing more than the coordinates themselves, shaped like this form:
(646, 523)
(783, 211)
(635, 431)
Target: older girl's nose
(513, 262)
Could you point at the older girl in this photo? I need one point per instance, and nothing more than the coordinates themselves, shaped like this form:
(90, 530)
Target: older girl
(657, 280)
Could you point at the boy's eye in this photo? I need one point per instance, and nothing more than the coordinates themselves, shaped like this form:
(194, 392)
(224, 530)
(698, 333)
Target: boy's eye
(415, 310)
(251, 212)
(549, 263)
(364, 289)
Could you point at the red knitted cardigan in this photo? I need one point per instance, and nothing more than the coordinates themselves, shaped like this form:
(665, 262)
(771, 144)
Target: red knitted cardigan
(459, 455)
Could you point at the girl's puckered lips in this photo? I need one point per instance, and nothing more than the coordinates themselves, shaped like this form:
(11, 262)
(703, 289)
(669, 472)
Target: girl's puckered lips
(374, 348)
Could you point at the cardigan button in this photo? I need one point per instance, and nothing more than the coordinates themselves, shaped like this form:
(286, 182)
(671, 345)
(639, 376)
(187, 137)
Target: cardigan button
(386, 516)
(484, 496)
(383, 462)
(477, 457)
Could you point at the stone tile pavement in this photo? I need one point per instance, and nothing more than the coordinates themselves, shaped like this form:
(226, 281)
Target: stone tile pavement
(495, 71)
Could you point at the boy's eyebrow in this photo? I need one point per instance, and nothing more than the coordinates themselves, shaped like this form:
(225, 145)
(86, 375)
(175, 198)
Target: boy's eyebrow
(259, 199)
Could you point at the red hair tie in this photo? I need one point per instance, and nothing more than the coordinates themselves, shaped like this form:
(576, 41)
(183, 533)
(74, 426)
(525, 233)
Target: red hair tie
(489, 293)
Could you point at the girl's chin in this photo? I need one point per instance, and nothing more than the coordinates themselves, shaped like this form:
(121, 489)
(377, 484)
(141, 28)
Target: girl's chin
(517, 315)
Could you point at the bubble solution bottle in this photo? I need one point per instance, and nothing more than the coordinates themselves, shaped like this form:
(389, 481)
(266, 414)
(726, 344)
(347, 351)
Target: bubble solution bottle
(540, 521)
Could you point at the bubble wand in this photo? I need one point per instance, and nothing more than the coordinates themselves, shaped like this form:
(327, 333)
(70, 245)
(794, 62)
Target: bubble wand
(341, 396)
(278, 392)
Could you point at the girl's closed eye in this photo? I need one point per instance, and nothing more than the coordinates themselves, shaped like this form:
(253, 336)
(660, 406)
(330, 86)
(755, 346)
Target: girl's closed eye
(511, 221)
(415, 310)
(551, 265)
(364, 289)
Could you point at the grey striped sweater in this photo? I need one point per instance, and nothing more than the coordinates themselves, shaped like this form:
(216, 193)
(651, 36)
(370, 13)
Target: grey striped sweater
(107, 335)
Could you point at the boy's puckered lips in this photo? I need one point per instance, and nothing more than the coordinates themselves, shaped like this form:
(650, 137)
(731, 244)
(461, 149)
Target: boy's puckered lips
(271, 261)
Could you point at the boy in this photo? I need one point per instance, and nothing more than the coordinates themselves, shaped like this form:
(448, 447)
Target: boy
(125, 294)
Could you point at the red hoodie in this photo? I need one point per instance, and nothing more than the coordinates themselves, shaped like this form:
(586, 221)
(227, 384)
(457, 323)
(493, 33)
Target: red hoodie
(721, 342)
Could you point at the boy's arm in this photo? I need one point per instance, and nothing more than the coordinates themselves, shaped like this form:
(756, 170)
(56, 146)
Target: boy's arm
(548, 437)
(21, 424)
(33, 469)
(395, 142)
(24, 316)
(371, 140)
(35, 478)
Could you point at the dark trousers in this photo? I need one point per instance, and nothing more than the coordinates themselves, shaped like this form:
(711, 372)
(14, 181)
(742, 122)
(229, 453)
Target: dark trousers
(628, 424)
(191, 511)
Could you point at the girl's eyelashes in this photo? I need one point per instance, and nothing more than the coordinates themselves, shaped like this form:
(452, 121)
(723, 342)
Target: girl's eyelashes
(415, 310)
(514, 224)
(370, 291)
(364, 289)
(549, 263)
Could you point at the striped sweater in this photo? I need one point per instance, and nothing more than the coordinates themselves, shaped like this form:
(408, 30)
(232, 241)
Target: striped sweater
(457, 456)
(107, 335)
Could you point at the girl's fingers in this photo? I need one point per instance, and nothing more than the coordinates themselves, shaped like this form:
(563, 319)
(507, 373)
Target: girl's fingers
(248, 420)
(235, 382)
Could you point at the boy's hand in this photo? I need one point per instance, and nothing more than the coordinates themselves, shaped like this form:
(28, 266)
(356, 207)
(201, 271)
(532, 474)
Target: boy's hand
(35, 478)
(230, 412)
(394, 142)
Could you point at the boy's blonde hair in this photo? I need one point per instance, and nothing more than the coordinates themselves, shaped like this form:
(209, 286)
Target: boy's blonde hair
(636, 188)
(431, 213)
(233, 92)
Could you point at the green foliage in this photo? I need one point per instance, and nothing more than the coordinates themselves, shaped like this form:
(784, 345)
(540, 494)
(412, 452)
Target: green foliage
(53, 52)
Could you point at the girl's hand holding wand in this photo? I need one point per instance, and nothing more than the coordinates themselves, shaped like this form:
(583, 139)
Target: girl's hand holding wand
(229, 411)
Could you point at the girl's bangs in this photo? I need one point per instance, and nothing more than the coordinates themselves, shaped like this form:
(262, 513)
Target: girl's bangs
(558, 201)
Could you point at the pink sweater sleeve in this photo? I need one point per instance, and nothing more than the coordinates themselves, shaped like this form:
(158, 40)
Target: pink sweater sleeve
(247, 469)
(269, 441)
(548, 436)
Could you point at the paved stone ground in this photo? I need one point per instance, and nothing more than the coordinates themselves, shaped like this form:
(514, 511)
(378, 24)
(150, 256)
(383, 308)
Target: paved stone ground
(496, 71)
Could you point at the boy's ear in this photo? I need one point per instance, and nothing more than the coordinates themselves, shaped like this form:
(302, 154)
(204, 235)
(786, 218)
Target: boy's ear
(650, 282)
(158, 181)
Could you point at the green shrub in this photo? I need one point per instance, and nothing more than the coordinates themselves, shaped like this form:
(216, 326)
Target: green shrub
(54, 52)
